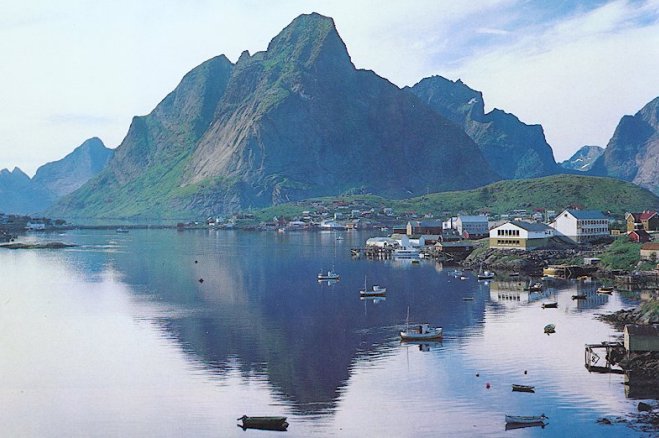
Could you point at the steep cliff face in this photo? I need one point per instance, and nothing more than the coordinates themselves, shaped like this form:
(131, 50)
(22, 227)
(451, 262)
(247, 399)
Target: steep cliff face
(583, 159)
(513, 149)
(294, 121)
(632, 154)
(64, 176)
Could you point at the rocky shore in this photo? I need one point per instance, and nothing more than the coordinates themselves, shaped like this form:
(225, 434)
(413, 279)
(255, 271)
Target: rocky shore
(642, 369)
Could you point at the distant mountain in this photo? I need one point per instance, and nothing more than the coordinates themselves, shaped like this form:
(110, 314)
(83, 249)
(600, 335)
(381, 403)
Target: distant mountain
(583, 159)
(68, 174)
(295, 121)
(19, 195)
(512, 148)
(633, 152)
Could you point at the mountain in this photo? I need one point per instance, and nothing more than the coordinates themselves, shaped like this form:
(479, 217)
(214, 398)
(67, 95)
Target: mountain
(68, 174)
(19, 195)
(583, 159)
(295, 121)
(512, 148)
(632, 154)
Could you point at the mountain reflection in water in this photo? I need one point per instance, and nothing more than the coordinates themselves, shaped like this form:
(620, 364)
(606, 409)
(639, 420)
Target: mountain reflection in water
(261, 324)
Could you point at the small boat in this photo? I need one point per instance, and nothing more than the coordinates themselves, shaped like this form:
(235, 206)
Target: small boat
(523, 388)
(511, 426)
(421, 332)
(485, 275)
(579, 297)
(267, 423)
(122, 230)
(535, 287)
(550, 328)
(375, 291)
(550, 305)
(467, 298)
(331, 275)
(608, 290)
(457, 273)
(416, 262)
(520, 419)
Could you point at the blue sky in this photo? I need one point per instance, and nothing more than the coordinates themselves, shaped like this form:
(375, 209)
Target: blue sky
(74, 69)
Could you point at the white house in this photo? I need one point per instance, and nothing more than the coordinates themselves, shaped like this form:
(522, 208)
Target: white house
(520, 235)
(581, 225)
(472, 226)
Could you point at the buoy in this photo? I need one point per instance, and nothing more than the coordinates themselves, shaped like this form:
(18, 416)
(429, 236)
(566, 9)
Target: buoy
(487, 385)
(201, 280)
(525, 371)
(195, 261)
(478, 375)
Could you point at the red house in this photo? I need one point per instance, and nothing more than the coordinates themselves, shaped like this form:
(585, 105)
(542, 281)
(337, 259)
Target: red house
(639, 236)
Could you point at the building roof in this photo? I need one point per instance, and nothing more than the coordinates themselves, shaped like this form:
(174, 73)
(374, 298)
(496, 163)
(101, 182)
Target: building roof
(646, 215)
(652, 246)
(431, 223)
(587, 214)
(531, 226)
(480, 218)
(642, 329)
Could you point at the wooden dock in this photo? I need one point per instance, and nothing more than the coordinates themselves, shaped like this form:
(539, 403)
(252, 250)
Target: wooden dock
(609, 354)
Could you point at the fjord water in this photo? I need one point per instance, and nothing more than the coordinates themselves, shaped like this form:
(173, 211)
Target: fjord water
(120, 337)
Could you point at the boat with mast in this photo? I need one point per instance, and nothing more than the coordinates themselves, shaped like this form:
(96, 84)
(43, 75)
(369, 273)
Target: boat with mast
(420, 332)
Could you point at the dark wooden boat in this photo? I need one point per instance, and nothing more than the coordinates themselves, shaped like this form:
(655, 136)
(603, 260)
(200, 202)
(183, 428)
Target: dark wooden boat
(579, 297)
(267, 423)
(512, 426)
(550, 305)
(523, 388)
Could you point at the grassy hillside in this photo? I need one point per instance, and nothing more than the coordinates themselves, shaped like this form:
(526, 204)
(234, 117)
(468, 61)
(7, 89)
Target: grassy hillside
(553, 193)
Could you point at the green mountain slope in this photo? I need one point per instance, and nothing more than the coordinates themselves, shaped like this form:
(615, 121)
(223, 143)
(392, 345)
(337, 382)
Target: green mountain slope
(552, 193)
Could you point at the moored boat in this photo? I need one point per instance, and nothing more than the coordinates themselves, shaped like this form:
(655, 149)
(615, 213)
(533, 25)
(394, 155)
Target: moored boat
(485, 275)
(523, 388)
(330, 275)
(550, 305)
(528, 419)
(375, 291)
(269, 423)
(579, 297)
(550, 328)
(608, 290)
(421, 332)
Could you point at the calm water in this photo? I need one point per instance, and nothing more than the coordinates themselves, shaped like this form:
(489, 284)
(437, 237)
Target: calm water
(118, 337)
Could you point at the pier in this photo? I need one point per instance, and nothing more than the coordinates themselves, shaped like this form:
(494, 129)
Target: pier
(608, 352)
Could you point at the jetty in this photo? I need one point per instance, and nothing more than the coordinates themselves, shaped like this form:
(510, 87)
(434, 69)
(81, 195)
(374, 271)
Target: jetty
(600, 358)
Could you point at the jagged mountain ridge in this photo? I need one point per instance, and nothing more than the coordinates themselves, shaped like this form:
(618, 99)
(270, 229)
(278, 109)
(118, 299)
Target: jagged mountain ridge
(513, 149)
(20, 194)
(295, 121)
(583, 159)
(632, 154)
(66, 175)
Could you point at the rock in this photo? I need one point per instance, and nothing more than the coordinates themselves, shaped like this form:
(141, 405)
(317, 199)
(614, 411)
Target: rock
(644, 407)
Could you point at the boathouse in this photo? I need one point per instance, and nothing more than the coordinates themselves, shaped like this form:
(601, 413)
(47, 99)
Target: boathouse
(641, 337)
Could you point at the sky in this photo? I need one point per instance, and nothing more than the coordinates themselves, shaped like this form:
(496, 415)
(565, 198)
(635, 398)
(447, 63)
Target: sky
(75, 69)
